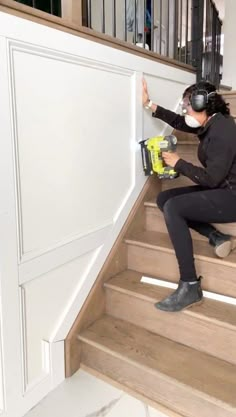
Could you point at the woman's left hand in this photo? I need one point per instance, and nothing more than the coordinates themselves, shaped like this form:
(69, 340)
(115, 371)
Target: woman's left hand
(170, 158)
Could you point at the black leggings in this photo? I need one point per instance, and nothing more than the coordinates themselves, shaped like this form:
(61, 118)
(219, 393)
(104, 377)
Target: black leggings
(194, 207)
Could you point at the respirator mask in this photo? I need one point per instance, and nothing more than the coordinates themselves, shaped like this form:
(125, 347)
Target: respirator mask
(189, 120)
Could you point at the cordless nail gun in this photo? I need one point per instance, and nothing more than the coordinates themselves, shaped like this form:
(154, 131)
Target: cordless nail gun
(152, 159)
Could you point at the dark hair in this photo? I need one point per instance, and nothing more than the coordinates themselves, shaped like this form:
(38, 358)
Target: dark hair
(215, 102)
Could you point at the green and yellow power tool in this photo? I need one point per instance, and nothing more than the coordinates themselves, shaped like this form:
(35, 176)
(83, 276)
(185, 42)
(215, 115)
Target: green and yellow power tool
(153, 162)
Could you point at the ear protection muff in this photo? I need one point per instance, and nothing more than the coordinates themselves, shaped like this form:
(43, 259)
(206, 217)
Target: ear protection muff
(199, 99)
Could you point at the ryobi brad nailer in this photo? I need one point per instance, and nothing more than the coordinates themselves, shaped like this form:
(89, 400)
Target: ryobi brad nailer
(153, 162)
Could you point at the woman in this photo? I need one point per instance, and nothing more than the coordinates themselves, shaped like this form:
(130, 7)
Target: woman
(213, 199)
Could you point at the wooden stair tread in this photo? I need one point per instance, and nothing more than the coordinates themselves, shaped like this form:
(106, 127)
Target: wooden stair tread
(160, 407)
(129, 282)
(161, 241)
(210, 377)
(227, 228)
(152, 203)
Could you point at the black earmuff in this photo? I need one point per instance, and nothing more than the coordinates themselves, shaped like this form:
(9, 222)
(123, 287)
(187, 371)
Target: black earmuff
(199, 99)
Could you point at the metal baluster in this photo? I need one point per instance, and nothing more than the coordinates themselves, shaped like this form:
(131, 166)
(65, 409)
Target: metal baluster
(57, 8)
(168, 28)
(207, 71)
(51, 7)
(176, 29)
(186, 33)
(126, 20)
(89, 7)
(114, 18)
(152, 25)
(135, 22)
(34, 3)
(144, 22)
(103, 16)
(181, 29)
(160, 27)
(197, 36)
(205, 39)
(219, 48)
(213, 56)
(212, 40)
(218, 37)
(209, 40)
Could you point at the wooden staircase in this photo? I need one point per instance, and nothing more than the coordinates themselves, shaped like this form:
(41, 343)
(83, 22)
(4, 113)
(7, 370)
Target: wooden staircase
(182, 363)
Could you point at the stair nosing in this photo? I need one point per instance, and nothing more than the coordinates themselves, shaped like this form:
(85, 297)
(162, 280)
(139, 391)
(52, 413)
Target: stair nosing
(158, 405)
(149, 299)
(134, 241)
(136, 363)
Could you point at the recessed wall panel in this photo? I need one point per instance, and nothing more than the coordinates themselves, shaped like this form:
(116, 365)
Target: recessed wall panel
(73, 140)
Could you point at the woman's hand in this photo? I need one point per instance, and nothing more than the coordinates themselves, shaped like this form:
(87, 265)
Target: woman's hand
(145, 93)
(170, 158)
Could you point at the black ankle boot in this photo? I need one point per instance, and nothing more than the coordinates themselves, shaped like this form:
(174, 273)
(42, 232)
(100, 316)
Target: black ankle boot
(222, 243)
(185, 296)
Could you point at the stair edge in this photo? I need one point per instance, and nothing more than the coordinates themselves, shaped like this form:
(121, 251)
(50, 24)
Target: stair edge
(158, 406)
(168, 379)
(136, 242)
(149, 299)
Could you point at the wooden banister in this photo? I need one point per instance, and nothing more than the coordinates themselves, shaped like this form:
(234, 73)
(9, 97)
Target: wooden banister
(66, 25)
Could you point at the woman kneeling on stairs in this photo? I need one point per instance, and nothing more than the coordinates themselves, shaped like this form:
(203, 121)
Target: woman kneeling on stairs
(213, 199)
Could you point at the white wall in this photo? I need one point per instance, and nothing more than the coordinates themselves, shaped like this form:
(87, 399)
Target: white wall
(70, 171)
(220, 5)
(229, 30)
(1, 373)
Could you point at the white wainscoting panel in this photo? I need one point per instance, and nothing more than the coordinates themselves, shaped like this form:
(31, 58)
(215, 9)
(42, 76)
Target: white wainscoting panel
(64, 252)
(50, 295)
(1, 368)
(69, 155)
(172, 90)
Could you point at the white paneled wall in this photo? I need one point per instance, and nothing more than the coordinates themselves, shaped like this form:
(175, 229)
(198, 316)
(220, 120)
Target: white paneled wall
(1, 373)
(229, 30)
(66, 280)
(60, 198)
(70, 171)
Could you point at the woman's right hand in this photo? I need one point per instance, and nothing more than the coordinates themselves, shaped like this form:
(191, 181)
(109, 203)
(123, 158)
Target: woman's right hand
(145, 93)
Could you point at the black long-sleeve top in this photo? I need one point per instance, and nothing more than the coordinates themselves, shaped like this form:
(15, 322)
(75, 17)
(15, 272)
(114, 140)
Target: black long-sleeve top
(216, 150)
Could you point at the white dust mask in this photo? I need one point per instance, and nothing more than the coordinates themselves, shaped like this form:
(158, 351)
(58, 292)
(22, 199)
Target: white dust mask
(191, 121)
